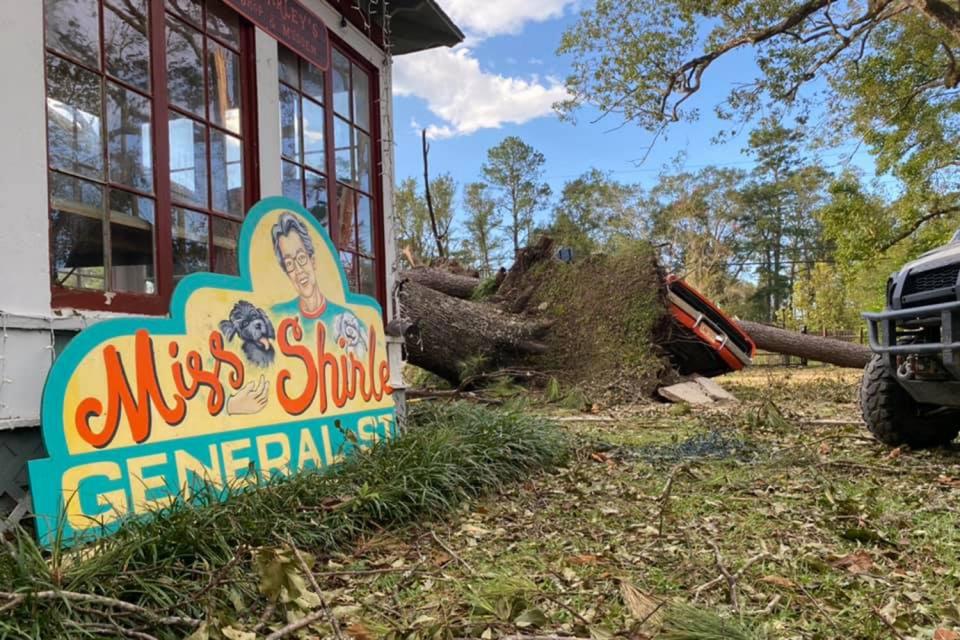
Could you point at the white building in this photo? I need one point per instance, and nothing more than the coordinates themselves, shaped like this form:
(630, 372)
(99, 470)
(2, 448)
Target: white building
(138, 132)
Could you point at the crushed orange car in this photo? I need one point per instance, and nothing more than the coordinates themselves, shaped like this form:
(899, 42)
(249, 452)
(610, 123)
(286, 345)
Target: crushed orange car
(704, 339)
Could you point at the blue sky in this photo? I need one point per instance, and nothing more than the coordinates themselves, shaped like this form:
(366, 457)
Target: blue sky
(502, 82)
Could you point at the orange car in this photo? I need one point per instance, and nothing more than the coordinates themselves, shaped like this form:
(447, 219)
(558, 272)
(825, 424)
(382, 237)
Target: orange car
(707, 341)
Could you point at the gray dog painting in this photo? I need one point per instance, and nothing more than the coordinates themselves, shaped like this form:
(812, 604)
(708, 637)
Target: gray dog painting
(254, 328)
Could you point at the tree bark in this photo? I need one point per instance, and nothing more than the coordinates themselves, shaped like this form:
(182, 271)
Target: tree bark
(452, 284)
(446, 332)
(836, 352)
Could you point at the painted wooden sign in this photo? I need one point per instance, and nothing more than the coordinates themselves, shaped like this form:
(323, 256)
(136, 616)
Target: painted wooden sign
(273, 372)
(291, 23)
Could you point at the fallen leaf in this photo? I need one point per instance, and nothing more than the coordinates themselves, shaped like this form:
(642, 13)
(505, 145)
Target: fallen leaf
(856, 562)
(598, 456)
(237, 634)
(948, 481)
(824, 448)
(583, 559)
(358, 632)
(945, 634)
(779, 581)
(531, 618)
(895, 453)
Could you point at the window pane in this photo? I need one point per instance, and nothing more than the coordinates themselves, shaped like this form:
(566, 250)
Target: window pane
(125, 43)
(292, 181)
(131, 243)
(313, 135)
(346, 218)
(290, 123)
(191, 242)
(343, 141)
(226, 236)
(349, 262)
(74, 129)
(223, 22)
(129, 136)
(316, 201)
(185, 67)
(313, 82)
(76, 233)
(190, 10)
(73, 28)
(224, 78)
(363, 160)
(188, 161)
(288, 66)
(364, 225)
(368, 277)
(226, 168)
(361, 98)
(341, 85)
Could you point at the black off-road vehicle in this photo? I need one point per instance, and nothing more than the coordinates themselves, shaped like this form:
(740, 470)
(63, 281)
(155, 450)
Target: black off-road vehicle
(910, 392)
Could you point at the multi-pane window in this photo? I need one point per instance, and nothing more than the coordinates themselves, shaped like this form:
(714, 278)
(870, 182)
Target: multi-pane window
(206, 143)
(302, 133)
(100, 135)
(353, 159)
(145, 142)
(325, 124)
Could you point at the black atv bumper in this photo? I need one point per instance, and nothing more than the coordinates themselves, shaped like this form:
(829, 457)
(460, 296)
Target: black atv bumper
(885, 327)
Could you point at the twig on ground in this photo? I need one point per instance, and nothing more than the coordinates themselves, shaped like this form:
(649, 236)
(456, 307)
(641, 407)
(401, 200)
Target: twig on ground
(264, 616)
(664, 498)
(887, 623)
(153, 616)
(726, 576)
(730, 578)
(115, 629)
(819, 607)
(332, 619)
(370, 572)
(566, 607)
(452, 553)
(293, 627)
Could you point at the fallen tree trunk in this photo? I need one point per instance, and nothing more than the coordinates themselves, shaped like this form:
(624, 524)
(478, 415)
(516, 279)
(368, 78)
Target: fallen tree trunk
(445, 332)
(793, 343)
(452, 284)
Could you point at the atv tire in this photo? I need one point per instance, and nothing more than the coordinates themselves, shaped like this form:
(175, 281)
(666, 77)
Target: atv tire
(894, 418)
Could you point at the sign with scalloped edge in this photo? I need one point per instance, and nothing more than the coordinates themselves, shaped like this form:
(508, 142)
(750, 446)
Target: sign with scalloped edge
(276, 371)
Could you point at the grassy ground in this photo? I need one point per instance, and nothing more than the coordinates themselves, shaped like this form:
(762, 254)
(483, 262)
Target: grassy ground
(823, 532)
(774, 518)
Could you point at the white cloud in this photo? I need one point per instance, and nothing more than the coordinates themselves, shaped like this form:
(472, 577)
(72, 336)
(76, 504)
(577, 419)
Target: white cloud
(467, 98)
(501, 17)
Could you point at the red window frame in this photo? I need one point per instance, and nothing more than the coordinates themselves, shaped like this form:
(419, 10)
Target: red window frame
(160, 107)
(375, 192)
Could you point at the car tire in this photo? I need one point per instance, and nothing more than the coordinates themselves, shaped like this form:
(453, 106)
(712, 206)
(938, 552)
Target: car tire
(894, 418)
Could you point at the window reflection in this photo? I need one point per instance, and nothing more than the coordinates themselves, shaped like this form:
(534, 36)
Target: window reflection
(132, 223)
(226, 236)
(76, 233)
(185, 67)
(188, 161)
(73, 29)
(74, 126)
(227, 173)
(129, 138)
(126, 44)
(191, 248)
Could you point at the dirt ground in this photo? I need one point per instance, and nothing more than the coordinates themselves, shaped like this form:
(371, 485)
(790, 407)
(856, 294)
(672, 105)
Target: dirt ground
(780, 512)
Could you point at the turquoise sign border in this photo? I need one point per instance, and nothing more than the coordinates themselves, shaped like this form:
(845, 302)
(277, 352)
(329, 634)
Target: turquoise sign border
(46, 473)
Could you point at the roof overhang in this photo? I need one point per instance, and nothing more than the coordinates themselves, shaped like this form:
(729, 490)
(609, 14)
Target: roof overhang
(417, 25)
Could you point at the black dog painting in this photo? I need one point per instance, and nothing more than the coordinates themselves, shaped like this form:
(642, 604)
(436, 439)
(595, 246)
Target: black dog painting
(254, 328)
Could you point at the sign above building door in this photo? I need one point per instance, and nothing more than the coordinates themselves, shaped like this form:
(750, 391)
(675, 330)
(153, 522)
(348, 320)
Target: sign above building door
(291, 23)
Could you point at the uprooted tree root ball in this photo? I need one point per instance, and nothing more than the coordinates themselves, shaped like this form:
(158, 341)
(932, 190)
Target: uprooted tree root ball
(594, 325)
